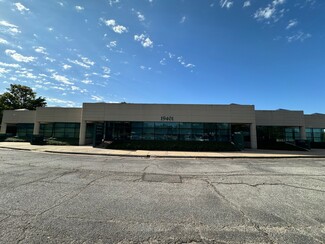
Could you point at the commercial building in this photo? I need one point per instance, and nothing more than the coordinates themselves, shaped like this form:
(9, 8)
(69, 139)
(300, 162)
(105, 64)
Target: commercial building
(95, 122)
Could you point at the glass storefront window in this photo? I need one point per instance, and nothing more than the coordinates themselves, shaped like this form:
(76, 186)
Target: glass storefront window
(25, 130)
(223, 126)
(148, 137)
(148, 124)
(148, 130)
(197, 125)
(167, 131)
(184, 125)
(60, 130)
(137, 124)
(315, 134)
(277, 133)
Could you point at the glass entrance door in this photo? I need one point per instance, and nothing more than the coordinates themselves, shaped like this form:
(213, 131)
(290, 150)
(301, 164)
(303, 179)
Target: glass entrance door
(118, 131)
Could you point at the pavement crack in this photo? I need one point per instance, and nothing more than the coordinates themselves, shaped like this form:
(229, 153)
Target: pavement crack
(64, 173)
(25, 228)
(56, 204)
(31, 182)
(267, 184)
(237, 208)
(196, 226)
(145, 168)
(5, 218)
(317, 179)
(159, 167)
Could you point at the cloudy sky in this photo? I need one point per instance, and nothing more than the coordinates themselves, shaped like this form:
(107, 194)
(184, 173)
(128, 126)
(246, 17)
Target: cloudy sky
(270, 53)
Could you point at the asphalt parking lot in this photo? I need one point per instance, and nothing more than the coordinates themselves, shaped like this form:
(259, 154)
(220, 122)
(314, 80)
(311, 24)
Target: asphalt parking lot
(58, 198)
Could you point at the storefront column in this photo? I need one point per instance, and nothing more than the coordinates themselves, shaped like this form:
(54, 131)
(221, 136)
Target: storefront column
(3, 128)
(303, 133)
(36, 128)
(82, 133)
(253, 136)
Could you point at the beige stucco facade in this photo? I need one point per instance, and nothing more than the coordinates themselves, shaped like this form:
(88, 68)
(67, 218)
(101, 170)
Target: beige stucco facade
(279, 118)
(282, 117)
(179, 112)
(315, 121)
(101, 112)
(16, 116)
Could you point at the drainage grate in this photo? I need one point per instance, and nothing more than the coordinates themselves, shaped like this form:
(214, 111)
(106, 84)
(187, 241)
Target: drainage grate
(161, 178)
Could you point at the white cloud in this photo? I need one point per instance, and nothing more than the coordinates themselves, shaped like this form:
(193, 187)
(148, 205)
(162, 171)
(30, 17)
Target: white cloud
(40, 50)
(7, 24)
(145, 68)
(3, 41)
(14, 30)
(115, 27)
(87, 61)
(78, 63)
(55, 101)
(110, 22)
(112, 2)
(18, 57)
(21, 8)
(141, 16)
(66, 66)
(226, 3)
(270, 11)
(246, 4)
(265, 13)
(299, 36)
(3, 70)
(292, 23)
(119, 29)
(79, 8)
(75, 88)
(189, 66)
(106, 70)
(50, 59)
(26, 74)
(276, 2)
(97, 98)
(10, 28)
(58, 88)
(87, 81)
(186, 65)
(112, 44)
(62, 79)
(145, 41)
(171, 55)
(183, 19)
(9, 65)
(163, 61)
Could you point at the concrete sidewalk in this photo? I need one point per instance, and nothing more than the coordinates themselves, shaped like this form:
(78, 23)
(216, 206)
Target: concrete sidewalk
(89, 150)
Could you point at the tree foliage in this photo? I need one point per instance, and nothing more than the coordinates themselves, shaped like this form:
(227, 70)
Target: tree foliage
(19, 97)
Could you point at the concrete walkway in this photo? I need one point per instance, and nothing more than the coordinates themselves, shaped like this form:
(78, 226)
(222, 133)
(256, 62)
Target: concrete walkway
(89, 150)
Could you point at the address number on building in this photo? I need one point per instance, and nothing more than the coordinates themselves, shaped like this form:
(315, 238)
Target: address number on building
(167, 118)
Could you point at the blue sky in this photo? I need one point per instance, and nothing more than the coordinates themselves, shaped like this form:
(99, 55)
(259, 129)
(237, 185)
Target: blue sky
(270, 53)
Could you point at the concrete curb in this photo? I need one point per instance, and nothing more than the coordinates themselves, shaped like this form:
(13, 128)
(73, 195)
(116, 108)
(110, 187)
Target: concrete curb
(99, 154)
(175, 156)
(166, 156)
(19, 149)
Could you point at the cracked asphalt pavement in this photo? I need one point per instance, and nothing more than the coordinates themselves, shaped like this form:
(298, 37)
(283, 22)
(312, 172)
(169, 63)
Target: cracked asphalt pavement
(57, 198)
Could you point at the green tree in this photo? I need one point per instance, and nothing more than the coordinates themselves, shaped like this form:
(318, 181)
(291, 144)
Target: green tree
(18, 97)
